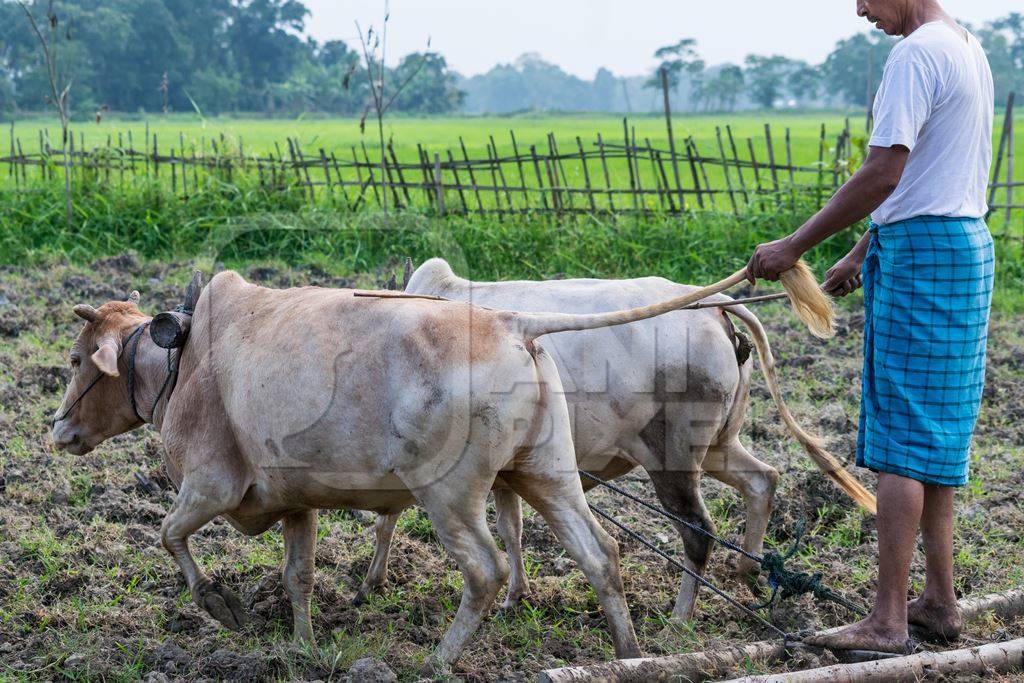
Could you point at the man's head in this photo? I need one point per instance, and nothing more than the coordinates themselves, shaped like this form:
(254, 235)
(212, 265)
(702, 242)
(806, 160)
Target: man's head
(96, 405)
(895, 17)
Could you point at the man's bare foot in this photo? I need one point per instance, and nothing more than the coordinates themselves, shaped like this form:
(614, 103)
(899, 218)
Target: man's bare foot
(936, 622)
(864, 635)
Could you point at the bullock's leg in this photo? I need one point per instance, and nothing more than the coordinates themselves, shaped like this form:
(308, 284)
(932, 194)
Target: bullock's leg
(680, 493)
(194, 507)
(377, 574)
(460, 521)
(299, 549)
(509, 509)
(732, 464)
(552, 486)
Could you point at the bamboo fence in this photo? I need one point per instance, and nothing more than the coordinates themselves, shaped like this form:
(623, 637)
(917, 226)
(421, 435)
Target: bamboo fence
(625, 175)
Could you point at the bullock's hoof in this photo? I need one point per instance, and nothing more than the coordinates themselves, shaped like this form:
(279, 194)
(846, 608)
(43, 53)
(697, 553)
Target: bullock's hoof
(749, 574)
(223, 605)
(364, 593)
(513, 601)
(434, 668)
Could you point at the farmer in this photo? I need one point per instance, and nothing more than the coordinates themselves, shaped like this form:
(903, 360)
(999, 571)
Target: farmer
(926, 266)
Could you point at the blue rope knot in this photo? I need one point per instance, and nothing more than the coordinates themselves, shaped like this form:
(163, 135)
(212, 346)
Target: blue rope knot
(786, 583)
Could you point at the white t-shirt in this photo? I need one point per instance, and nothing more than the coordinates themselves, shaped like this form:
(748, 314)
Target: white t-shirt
(937, 100)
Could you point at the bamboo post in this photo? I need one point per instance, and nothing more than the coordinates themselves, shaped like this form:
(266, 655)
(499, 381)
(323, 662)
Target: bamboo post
(671, 136)
(661, 189)
(771, 157)
(439, 183)
(607, 175)
(174, 175)
(739, 166)
(629, 163)
(428, 180)
(472, 176)
(398, 171)
(370, 166)
(427, 167)
(184, 165)
(10, 166)
(458, 183)
(501, 173)
(725, 170)
(340, 177)
(15, 165)
(390, 180)
(327, 171)
(586, 175)
(519, 165)
(195, 169)
(302, 164)
(565, 184)
(664, 182)
(1007, 125)
(836, 161)
(540, 178)
(1011, 145)
(757, 173)
(703, 172)
(69, 158)
(552, 171)
(792, 175)
(492, 160)
(107, 161)
(636, 166)
(821, 166)
(359, 178)
(693, 172)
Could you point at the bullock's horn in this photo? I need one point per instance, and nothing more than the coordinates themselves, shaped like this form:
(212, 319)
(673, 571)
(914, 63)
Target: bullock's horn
(87, 313)
(133, 298)
(195, 288)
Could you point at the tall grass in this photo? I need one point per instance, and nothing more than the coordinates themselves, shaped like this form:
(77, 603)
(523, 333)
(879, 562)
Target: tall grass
(237, 226)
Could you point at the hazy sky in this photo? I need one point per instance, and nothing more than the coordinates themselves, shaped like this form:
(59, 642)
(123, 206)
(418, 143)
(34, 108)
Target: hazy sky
(584, 35)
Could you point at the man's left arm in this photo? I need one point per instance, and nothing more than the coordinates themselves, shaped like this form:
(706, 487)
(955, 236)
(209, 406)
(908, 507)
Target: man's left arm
(869, 187)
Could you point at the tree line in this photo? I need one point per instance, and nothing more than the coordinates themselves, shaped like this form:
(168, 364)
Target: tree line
(215, 56)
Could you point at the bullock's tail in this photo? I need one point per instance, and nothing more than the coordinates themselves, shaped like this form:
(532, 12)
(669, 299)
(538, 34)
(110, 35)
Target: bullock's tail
(811, 443)
(813, 307)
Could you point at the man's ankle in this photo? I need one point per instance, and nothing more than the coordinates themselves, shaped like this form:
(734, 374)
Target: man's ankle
(889, 623)
(941, 601)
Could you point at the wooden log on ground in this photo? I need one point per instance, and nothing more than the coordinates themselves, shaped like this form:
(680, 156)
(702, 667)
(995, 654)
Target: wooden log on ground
(994, 658)
(712, 664)
(691, 666)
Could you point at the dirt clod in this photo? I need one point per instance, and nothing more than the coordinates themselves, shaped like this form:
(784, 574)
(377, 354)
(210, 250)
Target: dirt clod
(369, 670)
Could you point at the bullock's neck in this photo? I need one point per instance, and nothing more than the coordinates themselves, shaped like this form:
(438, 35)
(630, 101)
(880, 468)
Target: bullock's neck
(150, 375)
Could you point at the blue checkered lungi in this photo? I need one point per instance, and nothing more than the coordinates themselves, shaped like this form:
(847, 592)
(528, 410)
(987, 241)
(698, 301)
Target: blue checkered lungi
(927, 295)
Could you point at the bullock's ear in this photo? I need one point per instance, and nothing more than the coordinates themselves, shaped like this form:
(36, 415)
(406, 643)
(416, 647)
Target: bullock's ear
(87, 313)
(106, 355)
(133, 298)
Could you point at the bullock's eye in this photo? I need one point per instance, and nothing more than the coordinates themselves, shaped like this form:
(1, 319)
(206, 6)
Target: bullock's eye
(75, 362)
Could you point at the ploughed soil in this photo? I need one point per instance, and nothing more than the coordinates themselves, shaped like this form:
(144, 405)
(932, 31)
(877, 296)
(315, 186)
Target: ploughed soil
(86, 591)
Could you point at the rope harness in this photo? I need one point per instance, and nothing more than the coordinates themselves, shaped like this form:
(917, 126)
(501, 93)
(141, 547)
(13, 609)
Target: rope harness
(100, 375)
(785, 583)
(170, 380)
